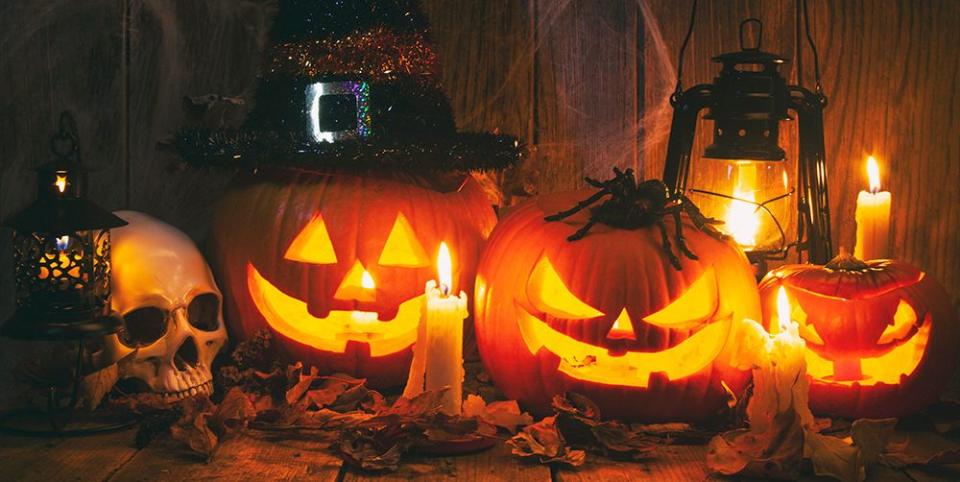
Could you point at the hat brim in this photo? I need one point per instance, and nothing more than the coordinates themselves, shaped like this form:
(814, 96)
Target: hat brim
(239, 148)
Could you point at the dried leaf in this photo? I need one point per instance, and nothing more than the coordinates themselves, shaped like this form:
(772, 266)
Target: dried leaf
(330, 390)
(620, 442)
(577, 405)
(871, 436)
(193, 429)
(364, 453)
(835, 457)
(543, 441)
(921, 448)
(299, 389)
(423, 404)
(770, 454)
(235, 412)
(505, 414)
(96, 385)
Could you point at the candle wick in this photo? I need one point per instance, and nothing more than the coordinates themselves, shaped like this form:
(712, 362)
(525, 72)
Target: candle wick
(874, 190)
(444, 289)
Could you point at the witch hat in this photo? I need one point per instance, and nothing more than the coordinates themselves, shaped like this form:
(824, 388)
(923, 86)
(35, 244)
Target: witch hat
(350, 85)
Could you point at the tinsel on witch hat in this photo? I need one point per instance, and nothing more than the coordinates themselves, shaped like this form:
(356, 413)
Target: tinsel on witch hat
(350, 85)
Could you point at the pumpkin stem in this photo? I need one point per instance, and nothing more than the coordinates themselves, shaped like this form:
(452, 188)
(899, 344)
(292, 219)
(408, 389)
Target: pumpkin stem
(846, 262)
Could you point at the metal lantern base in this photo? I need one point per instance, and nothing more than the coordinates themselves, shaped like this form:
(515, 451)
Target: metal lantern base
(57, 420)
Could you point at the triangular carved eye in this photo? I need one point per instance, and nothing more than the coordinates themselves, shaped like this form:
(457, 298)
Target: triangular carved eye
(549, 294)
(402, 248)
(313, 244)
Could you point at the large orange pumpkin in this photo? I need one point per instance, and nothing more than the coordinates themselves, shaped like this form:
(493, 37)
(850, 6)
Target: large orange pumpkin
(335, 264)
(608, 316)
(881, 335)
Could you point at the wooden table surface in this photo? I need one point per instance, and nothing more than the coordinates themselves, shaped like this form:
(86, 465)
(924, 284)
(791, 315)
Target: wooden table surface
(256, 456)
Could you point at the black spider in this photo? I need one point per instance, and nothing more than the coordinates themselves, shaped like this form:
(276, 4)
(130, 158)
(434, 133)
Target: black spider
(635, 205)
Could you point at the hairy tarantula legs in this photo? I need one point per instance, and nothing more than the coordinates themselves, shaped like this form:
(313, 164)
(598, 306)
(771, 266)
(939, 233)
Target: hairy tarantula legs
(582, 231)
(702, 222)
(579, 207)
(666, 244)
(678, 232)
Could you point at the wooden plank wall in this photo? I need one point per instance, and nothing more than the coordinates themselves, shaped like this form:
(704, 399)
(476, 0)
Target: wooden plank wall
(584, 81)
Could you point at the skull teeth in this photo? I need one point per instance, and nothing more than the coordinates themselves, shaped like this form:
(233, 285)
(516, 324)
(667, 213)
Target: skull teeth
(205, 388)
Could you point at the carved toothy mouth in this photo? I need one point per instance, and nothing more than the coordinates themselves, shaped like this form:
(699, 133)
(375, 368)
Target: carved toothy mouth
(889, 368)
(205, 388)
(583, 361)
(289, 316)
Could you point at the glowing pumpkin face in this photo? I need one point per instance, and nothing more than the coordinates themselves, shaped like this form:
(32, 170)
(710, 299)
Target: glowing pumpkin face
(608, 316)
(336, 265)
(880, 335)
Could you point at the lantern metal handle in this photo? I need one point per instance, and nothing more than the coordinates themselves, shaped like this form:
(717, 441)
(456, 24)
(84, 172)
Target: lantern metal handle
(743, 30)
(65, 143)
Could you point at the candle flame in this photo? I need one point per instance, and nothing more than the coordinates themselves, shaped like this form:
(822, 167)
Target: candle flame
(743, 220)
(444, 268)
(873, 174)
(63, 242)
(783, 310)
(61, 183)
(366, 281)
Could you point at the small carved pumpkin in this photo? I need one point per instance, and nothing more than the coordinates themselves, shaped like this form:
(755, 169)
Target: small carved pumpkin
(608, 315)
(335, 264)
(881, 335)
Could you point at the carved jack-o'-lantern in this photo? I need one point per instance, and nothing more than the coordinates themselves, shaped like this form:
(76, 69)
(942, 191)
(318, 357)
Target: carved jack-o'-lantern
(335, 264)
(881, 335)
(608, 315)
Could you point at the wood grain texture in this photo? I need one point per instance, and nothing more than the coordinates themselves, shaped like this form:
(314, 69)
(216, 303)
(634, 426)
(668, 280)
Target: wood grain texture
(252, 457)
(893, 76)
(672, 463)
(586, 98)
(187, 49)
(43, 460)
(496, 464)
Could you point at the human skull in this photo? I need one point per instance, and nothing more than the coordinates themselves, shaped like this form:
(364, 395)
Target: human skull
(171, 307)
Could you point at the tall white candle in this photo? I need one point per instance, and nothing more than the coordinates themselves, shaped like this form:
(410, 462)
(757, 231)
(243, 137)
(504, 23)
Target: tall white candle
(438, 353)
(873, 218)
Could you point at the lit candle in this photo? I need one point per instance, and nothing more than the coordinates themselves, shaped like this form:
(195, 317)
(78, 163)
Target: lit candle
(873, 218)
(438, 353)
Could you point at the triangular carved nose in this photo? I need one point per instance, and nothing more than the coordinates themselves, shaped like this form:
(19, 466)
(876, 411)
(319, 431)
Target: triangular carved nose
(622, 328)
(357, 285)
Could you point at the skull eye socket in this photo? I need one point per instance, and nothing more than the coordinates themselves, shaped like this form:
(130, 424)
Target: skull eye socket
(204, 312)
(143, 326)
